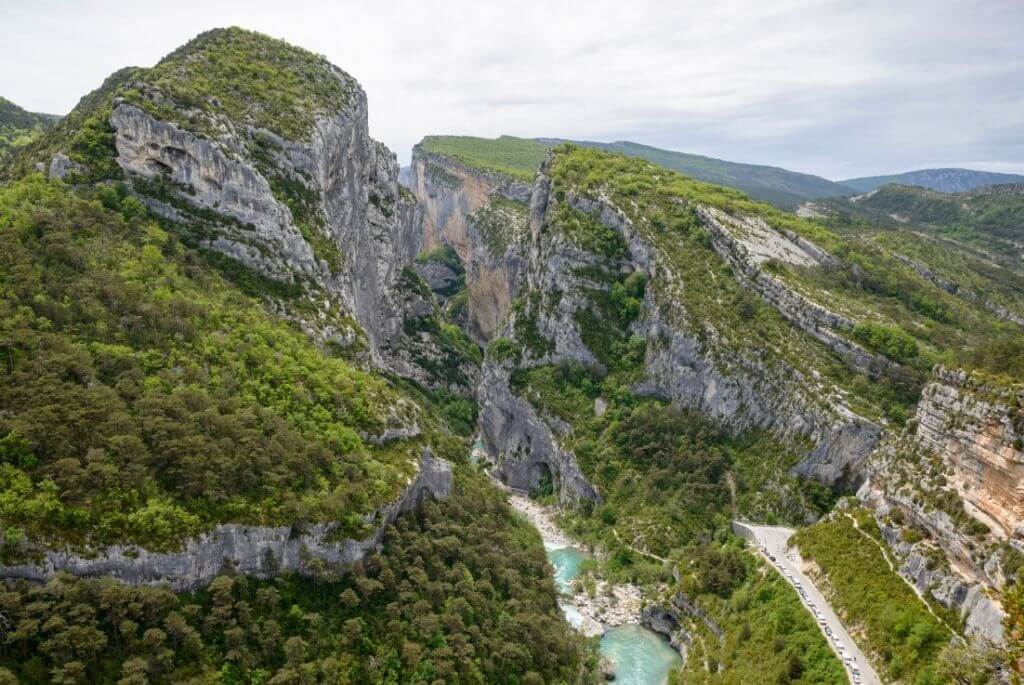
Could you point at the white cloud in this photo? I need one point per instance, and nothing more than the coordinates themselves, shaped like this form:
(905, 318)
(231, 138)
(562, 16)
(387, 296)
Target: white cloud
(836, 87)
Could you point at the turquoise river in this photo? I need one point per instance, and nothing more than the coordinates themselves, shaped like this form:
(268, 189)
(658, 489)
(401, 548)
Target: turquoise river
(640, 656)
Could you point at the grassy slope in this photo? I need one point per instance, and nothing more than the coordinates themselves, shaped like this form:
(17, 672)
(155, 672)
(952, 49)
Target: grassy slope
(781, 187)
(904, 639)
(516, 157)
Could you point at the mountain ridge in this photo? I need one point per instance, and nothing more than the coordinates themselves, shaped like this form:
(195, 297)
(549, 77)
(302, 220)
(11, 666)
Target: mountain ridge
(946, 180)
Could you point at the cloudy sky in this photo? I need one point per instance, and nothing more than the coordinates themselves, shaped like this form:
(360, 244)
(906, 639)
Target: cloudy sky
(837, 88)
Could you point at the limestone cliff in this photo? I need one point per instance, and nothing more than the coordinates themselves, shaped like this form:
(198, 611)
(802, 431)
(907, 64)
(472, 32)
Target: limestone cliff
(978, 429)
(552, 279)
(482, 216)
(947, 495)
(357, 233)
(295, 191)
(259, 551)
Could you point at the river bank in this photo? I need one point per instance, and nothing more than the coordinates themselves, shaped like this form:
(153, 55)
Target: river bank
(636, 655)
(603, 604)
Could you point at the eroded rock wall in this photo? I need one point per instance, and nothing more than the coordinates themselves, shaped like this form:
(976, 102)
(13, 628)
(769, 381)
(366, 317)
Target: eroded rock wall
(254, 550)
(978, 430)
(462, 209)
(238, 182)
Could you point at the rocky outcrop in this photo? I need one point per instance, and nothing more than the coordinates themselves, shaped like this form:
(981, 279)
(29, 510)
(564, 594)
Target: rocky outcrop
(669, 618)
(839, 458)
(325, 213)
(750, 395)
(978, 429)
(529, 453)
(451, 192)
(942, 566)
(254, 550)
(61, 166)
(666, 621)
(747, 243)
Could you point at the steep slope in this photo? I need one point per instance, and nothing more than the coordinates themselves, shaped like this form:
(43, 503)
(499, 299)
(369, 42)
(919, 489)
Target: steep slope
(18, 127)
(221, 372)
(942, 180)
(282, 179)
(650, 303)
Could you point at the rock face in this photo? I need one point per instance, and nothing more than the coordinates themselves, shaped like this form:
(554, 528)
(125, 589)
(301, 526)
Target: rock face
(969, 588)
(254, 550)
(483, 217)
(670, 617)
(746, 244)
(549, 273)
(978, 430)
(528, 449)
(679, 367)
(356, 233)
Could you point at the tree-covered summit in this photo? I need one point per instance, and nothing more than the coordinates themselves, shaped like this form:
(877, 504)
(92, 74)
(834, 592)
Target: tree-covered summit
(245, 77)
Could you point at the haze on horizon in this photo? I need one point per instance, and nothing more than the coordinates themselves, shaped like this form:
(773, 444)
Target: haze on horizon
(837, 88)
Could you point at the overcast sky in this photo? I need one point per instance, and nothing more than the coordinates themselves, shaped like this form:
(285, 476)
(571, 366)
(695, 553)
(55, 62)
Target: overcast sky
(837, 88)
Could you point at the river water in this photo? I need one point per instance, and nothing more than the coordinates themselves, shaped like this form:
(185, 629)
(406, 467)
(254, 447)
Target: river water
(640, 656)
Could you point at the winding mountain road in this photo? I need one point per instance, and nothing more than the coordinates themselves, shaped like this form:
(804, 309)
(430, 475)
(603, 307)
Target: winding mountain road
(774, 541)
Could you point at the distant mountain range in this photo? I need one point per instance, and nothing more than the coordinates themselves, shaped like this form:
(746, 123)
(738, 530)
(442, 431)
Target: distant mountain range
(943, 180)
(520, 157)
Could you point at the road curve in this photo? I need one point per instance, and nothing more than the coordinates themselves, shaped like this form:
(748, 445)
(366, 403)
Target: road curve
(774, 540)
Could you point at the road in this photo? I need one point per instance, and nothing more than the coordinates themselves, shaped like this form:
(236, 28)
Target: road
(775, 540)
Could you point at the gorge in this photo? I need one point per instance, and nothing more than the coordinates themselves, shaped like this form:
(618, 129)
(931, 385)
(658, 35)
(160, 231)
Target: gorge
(246, 366)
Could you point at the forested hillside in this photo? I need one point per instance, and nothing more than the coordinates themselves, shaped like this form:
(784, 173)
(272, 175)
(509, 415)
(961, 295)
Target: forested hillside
(18, 128)
(185, 375)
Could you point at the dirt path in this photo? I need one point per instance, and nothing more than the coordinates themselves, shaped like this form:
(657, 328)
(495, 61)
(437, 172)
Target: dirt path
(894, 569)
(639, 551)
